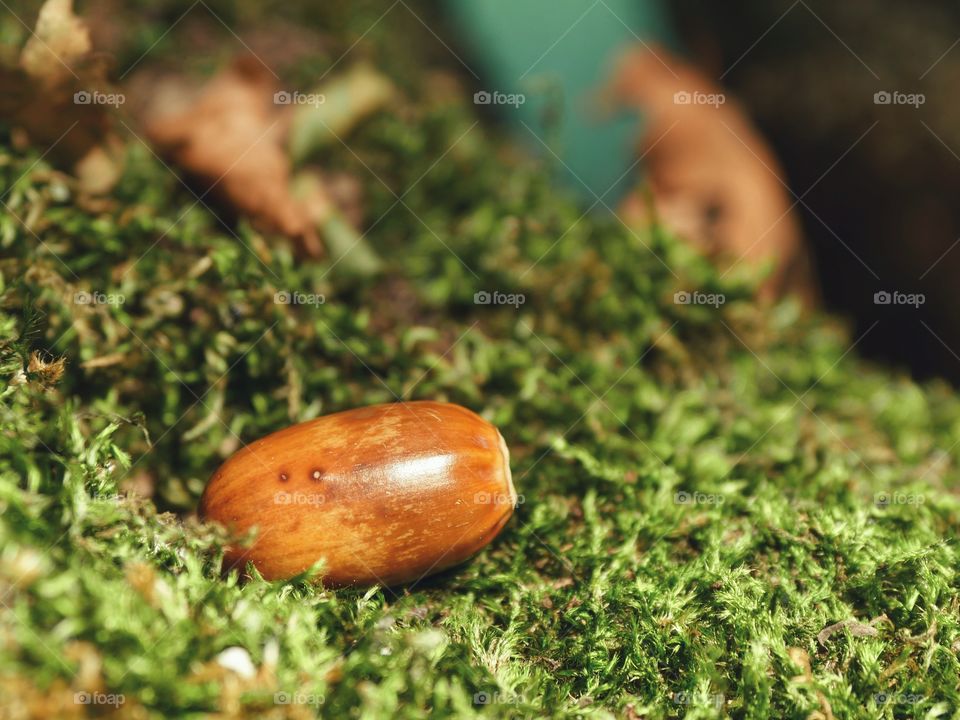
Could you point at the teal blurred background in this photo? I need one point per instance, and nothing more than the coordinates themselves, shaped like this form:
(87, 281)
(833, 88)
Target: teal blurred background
(558, 53)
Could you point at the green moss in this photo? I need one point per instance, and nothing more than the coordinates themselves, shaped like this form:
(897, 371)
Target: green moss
(705, 490)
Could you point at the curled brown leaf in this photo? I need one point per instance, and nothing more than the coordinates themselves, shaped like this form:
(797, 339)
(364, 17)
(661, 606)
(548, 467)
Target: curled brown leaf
(230, 142)
(712, 176)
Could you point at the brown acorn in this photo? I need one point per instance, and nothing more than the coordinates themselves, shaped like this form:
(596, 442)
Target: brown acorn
(384, 494)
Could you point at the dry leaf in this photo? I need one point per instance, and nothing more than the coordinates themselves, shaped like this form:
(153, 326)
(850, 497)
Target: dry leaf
(855, 627)
(39, 99)
(47, 372)
(800, 657)
(713, 178)
(100, 168)
(230, 141)
(59, 40)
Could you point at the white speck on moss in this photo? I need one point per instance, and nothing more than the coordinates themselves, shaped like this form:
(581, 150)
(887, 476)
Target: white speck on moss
(237, 659)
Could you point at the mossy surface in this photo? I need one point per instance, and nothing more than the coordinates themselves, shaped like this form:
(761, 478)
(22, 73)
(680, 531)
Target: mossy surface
(706, 491)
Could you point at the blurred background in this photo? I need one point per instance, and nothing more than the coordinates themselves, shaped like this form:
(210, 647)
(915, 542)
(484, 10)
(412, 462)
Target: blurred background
(881, 213)
(857, 102)
(818, 139)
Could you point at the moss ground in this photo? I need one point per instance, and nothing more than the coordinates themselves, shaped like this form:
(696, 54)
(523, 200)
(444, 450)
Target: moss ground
(726, 512)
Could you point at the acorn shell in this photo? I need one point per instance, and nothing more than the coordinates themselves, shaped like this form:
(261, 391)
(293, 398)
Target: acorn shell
(383, 494)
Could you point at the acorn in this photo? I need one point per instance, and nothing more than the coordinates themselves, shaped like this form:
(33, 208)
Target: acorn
(385, 494)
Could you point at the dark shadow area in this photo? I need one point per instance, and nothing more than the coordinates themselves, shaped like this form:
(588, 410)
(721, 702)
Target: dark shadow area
(859, 101)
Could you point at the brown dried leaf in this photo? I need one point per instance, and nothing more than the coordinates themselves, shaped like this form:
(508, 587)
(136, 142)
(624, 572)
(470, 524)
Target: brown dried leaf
(46, 372)
(230, 141)
(855, 628)
(39, 99)
(713, 178)
(60, 39)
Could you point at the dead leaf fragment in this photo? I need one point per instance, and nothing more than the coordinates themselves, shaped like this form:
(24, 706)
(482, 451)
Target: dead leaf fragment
(800, 657)
(59, 40)
(40, 103)
(231, 143)
(47, 372)
(101, 167)
(713, 178)
(854, 627)
(103, 361)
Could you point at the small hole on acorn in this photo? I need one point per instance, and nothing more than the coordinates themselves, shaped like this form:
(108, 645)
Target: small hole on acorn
(284, 477)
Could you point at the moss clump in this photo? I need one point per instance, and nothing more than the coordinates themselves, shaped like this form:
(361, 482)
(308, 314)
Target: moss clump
(706, 491)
